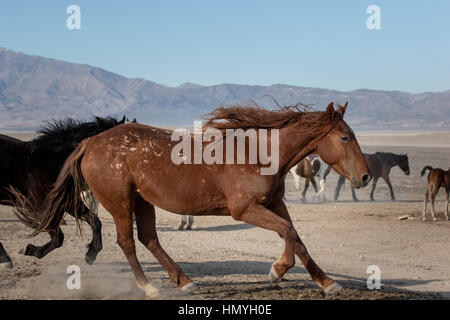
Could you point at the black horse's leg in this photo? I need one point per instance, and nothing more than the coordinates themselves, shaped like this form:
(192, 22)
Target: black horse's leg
(56, 241)
(374, 185)
(5, 260)
(96, 245)
(354, 195)
(388, 182)
(341, 181)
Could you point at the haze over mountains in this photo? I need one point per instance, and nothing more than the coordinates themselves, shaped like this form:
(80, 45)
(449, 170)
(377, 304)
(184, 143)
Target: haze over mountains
(35, 89)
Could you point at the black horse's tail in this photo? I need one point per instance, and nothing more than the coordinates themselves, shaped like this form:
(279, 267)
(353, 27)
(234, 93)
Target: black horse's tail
(64, 196)
(425, 170)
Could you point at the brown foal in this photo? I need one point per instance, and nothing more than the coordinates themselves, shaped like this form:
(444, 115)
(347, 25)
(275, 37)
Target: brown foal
(437, 178)
(129, 169)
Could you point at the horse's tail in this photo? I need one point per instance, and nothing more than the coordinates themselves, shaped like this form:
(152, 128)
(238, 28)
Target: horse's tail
(64, 196)
(425, 170)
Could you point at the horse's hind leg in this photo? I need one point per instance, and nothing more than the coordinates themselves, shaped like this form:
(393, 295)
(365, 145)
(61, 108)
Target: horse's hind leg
(190, 222)
(5, 260)
(425, 206)
(56, 241)
(327, 284)
(388, 182)
(433, 197)
(446, 203)
(303, 197)
(184, 219)
(145, 222)
(121, 210)
(96, 245)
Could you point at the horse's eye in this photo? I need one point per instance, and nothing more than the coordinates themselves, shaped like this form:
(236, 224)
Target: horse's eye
(345, 138)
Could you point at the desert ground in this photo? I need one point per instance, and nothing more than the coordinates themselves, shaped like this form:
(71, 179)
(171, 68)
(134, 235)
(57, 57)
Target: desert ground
(231, 260)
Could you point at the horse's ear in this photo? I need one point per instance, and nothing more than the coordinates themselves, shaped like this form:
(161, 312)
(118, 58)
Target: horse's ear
(134, 120)
(123, 120)
(100, 121)
(342, 109)
(330, 111)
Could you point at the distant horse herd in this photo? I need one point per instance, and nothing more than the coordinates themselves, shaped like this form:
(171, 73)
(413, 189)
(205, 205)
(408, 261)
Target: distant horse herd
(126, 166)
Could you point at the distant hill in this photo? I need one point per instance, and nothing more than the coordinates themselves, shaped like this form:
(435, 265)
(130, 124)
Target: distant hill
(34, 89)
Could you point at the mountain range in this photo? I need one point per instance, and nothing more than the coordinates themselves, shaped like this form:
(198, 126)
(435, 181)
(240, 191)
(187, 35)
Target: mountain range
(35, 89)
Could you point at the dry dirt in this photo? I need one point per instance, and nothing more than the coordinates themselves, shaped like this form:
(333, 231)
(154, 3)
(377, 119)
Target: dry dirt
(231, 260)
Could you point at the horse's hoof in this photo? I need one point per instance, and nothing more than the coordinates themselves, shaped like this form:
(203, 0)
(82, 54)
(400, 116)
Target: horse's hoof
(274, 276)
(150, 291)
(90, 260)
(190, 287)
(335, 287)
(6, 265)
(434, 219)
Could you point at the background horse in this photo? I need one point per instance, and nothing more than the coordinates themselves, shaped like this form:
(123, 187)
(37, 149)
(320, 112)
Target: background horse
(130, 168)
(380, 165)
(309, 168)
(437, 178)
(29, 169)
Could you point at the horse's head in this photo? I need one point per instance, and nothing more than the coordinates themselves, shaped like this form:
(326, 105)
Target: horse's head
(104, 124)
(340, 149)
(403, 163)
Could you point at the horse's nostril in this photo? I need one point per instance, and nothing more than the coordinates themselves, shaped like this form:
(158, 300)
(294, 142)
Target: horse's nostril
(365, 178)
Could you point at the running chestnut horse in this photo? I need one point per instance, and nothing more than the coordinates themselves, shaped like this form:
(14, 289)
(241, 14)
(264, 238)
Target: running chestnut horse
(130, 168)
(380, 165)
(437, 178)
(29, 169)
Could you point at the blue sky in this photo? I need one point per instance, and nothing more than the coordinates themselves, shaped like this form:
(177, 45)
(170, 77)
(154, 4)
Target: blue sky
(308, 43)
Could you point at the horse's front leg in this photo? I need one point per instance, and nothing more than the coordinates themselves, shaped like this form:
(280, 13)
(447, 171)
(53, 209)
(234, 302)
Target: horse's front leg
(340, 182)
(5, 260)
(374, 185)
(354, 194)
(56, 241)
(327, 284)
(260, 216)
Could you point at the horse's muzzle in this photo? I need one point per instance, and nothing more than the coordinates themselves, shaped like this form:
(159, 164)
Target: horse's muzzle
(362, 181)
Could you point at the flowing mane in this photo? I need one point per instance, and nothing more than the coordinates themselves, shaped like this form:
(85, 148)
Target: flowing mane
(252, 116)
(69, 132)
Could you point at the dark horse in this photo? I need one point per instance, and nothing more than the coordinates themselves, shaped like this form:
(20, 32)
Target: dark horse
(437, 178)
(131, 169)
(380, 165)
(30, 168)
